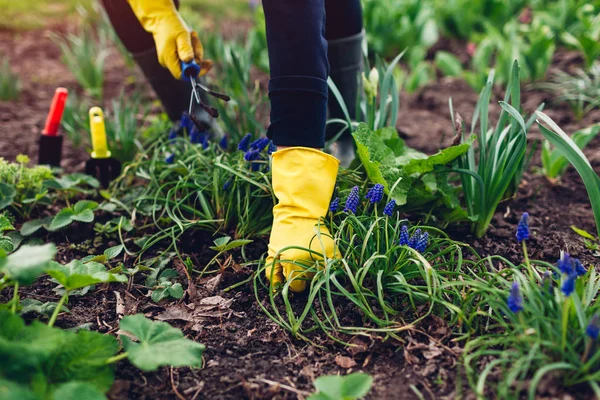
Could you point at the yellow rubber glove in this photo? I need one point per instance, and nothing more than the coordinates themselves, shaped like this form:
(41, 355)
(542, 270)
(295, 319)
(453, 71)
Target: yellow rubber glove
(303, 182)
(174, 41)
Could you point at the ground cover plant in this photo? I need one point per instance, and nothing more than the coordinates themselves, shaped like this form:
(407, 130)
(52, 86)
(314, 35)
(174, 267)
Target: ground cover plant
(155, 286)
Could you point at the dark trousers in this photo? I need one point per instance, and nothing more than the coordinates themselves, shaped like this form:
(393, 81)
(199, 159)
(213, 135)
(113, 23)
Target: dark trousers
(297, 34)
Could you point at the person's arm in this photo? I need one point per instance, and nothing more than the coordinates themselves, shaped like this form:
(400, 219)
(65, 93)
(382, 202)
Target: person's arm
(175, 41)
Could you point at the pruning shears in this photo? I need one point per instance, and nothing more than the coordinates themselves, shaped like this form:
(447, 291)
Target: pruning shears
(189, 73)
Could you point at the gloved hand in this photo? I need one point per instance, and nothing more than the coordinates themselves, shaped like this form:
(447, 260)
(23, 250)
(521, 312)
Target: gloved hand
(175, 42)
(303, 182)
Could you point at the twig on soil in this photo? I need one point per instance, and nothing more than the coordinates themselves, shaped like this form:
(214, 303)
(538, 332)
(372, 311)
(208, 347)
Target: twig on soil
(120, 307)
(284, 386)
(179, 395)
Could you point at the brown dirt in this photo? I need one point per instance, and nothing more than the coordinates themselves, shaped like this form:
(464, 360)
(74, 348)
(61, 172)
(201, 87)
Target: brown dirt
(248, 355)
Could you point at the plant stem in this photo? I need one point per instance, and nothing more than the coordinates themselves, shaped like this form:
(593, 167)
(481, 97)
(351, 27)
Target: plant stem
(565, 322)
(527, 263)
(15, 299)
(58, 308)
(116, 358)
(586, 353)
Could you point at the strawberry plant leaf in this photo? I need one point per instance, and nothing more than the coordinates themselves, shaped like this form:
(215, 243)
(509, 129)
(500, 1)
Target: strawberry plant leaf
(31, 227)
(6, 244)
(7, 195)
(159, 344)
(27, 263)
(176, 291)
(78, 391)
(5, 224)
(13, 391)
(63, 218)
(77, 275)
(113, 252)
(83, 205)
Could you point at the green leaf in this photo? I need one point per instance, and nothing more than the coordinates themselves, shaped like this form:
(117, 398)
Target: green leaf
(36, 306)
(176, 290)
(114, 251)
(83, 205)
(225, 243)
(76, 274)
(5, 224)
(448, 63)
(401, 169)
(31, 227)
(13, 391)
(159, 344)
(7, 195)
(6, 244)
(349, 387)
(78, 391)
(159, 294)
(563, 143)
(583, 233)
(63, 218)
(84, 216)
(83, 358)
(27, 263)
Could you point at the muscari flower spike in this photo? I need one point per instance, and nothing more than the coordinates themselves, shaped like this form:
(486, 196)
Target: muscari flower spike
(243, 145)
(223, 143)
(204, 140)
(571, 266)
(593, 328)
(260, 143)
(335, 204)
(186, 122)
(172, 135)
(251, 156)
(352, 201)
(227, 185)
(194, 136)
(523, 228)
(272, 148)
(568, 287)
(422, 242)
(389, 208)
(170, 158)
(414, 239)
(404, 237)
(515, 300)
(579, 268)
(375, 194)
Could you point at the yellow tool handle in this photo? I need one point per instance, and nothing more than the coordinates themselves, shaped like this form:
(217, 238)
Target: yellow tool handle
(99, 144)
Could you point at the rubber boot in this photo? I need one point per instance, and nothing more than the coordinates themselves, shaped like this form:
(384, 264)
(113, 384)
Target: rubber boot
(346, 63)
(174, 94)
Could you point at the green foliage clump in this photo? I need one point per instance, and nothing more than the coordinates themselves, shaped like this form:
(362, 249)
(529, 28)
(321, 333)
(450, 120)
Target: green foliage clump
(10, 84)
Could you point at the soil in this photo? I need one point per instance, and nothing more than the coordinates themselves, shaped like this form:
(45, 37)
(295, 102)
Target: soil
(248, 355)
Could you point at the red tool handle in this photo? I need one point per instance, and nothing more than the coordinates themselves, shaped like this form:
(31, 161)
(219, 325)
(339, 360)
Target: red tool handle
(56, 112)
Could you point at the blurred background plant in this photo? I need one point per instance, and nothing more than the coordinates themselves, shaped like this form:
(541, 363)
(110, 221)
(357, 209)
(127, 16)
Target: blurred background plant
(84, 54)
(580, 90)
(10, 84)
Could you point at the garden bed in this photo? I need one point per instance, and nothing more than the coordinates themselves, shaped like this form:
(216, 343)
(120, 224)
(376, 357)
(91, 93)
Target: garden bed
(248, 355)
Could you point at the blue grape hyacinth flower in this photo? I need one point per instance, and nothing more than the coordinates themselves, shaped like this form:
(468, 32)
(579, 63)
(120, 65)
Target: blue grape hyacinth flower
(223, 143)
(578, 267)
(245, 142)
(203, 140)
(389, 208)
(260, 143)
(227, 185)
(523, 228)
(272, 148)
(404, 237)
(172, 135)
(414, 239)
(352, 201)
(422, 243)
(186, 123)
(593, 328)
(568, 286)
(515, 299)
(170, 158)
(375, 194)
(335, 204)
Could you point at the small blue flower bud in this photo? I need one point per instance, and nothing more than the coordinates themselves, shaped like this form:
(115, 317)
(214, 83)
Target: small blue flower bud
(243, 145)
(515, 300)
(389, 208)
(335, 204)
(523, 228)
(352, 201)
(404, 237)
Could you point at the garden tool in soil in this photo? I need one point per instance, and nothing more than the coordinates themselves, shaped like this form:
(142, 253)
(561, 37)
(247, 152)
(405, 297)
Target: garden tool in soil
(50, 143)
(189, 73)
(303, 182)
(101, 165)
(345, 57)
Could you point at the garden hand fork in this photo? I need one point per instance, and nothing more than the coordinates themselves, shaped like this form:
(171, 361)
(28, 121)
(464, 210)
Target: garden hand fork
(189, 73)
